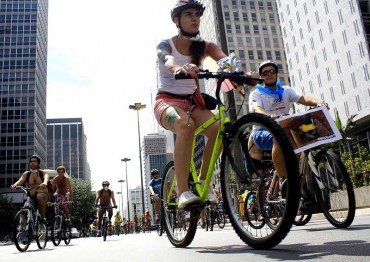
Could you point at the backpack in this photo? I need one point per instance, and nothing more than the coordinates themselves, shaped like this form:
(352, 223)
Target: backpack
(41, 174)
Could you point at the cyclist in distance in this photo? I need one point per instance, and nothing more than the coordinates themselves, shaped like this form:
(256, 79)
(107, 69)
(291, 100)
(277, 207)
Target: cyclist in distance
(117, 219)
(64, 192)
(174, 110)
(273, 99)
(155, 191)
(104, 197)
(39, 177)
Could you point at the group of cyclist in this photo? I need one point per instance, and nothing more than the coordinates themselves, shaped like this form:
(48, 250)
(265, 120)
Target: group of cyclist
(40, 195)
(179, 108)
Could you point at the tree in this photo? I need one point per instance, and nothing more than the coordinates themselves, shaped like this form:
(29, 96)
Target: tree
(7, 214)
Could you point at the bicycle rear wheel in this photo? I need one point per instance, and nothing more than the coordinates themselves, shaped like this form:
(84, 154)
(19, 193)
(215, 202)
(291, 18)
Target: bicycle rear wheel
(220, 218)
(336, 195)
(41, 234)
(22, 231)
(180, 225)
(67, 233)
(56, 232)
(304, 214)
(239, 174)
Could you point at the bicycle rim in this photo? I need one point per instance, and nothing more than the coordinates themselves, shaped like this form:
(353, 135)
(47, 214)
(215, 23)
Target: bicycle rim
(21, 231)
(304, 214)
(180, 225)
(67, 233)
(253, 214)
(337, 198)
(56, 232)
(221, 220)
(41, 234)
(233, 185)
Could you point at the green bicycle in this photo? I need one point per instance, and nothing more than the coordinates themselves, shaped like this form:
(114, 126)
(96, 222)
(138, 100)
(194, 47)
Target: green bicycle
(181, 224)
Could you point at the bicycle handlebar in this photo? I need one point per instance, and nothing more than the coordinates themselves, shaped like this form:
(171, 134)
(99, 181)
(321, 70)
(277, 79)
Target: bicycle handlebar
(221, 76)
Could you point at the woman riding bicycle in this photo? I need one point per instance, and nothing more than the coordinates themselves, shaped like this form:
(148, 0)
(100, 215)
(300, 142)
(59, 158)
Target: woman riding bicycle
(174, 108)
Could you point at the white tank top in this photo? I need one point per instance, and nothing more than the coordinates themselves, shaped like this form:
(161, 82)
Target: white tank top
(167, 82)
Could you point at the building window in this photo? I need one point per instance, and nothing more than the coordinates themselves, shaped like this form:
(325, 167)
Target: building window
(321, 36)
(304, 50)
(339, 70)
(298, 18)
(328, 73)
(366, 73)
(278, 55)
(324, 54)
(345, 40)
(236, 16)
(349, 58)
(308, 26)
(361, 49)
(354, 82)
(258, 42)
(330, 27)
(312, 43)
(317, 17)
(237, 29)
(255, 29)
(308, 68)
(269, 55)
(340, 17)
(332, 94)
(267, 42)
(341, 83)
(273, 30)
(301, 33)
(247, 29)
(305, 8)
(228, 29)
(357, 29)
(319, 80)
(250, 54)
(358, 102)
(260, 54)
(245, 16)
(326, 7)
(334, 46)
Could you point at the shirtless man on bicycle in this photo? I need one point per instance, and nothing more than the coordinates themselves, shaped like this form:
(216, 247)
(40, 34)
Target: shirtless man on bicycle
(36, 177)
(64, 192)
(104, 197)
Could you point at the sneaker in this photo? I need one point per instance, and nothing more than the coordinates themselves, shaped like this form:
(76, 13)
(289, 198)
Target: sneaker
(187, 198)
(211, 197)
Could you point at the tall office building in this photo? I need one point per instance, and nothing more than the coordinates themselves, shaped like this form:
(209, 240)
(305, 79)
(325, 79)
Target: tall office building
(67, 146)
(23, 63)
(327, 48)
(251, 30)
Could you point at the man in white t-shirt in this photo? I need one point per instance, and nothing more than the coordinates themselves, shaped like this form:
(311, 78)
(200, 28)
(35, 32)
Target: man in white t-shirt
(273, 99)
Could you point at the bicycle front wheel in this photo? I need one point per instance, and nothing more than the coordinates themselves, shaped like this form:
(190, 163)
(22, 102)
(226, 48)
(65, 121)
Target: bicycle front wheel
(67, 233)
(22, 231)
(220, 217)
(56, 232)
(180, 225)
(41, 234)
(335, 193)
(239, 173)
(105, 229)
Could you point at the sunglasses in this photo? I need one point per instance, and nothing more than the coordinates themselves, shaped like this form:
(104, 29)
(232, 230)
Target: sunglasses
(266, 72)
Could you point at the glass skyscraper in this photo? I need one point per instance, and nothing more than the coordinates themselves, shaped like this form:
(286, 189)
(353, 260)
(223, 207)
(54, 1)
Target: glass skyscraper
(23, 63)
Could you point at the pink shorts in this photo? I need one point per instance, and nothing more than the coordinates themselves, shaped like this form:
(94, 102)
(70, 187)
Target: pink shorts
(164, 101)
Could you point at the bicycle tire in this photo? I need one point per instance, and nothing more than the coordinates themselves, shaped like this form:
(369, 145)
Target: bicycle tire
(212, 218)
(235, 157)
(337, 198)
(22, 231)
(208, 218)
(105, 229)
(252, 211)
(41, 234)
(180, 225)
(304, 214)
(67, 233)
(221, 220)
(56, 232)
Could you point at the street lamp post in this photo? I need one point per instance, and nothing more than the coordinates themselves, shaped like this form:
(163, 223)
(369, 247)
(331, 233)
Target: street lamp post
(119, 201)
(128, 203)
(137, 107)
(121, 181)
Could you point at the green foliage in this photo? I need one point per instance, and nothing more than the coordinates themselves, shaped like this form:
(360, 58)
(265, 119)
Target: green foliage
(83, 209)
(358, 167)
(7, 214)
